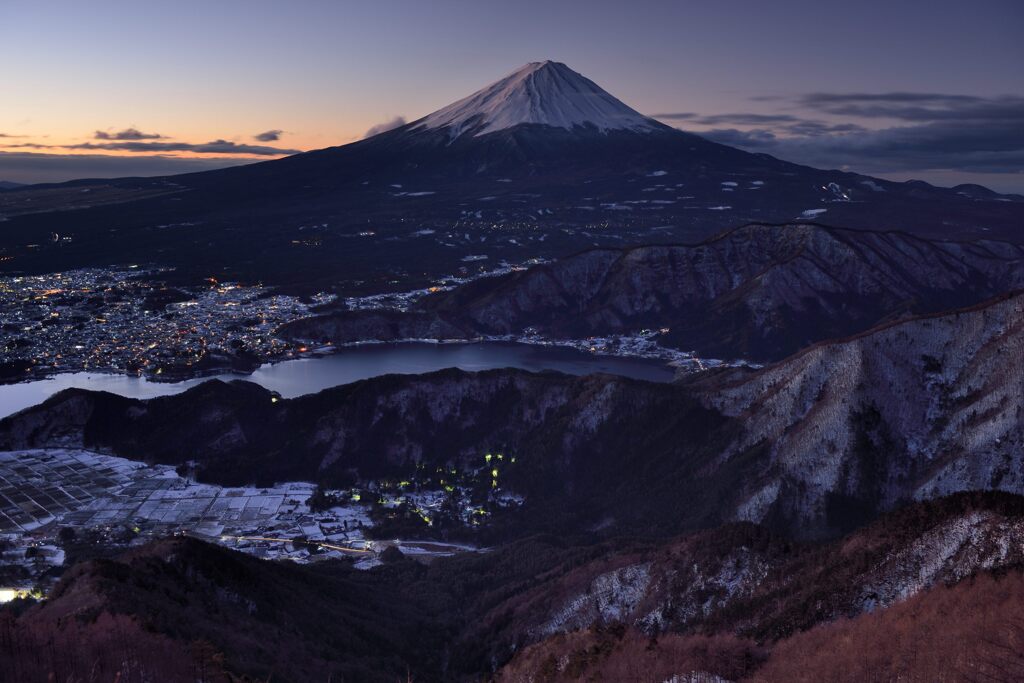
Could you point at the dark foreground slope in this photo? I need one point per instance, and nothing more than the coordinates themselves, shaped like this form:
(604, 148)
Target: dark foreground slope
(816, 444)
(967, 632)
(759, 292)
(723, 601)
(927, 593)
(182, 610)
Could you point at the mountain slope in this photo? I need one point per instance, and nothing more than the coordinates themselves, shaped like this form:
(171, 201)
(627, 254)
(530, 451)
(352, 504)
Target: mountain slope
(179, 609)
(183, 610)
(966, 632)
(970, 631)
(542, 163)
(911, 410)
(740, 583)
(741, 580)
(759, 292)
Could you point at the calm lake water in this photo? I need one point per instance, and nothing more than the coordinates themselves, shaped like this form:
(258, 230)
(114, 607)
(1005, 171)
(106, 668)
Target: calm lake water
(309, 375)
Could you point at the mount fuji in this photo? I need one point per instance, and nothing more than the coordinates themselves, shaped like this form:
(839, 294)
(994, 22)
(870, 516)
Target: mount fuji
(541, 163)
(541, 93)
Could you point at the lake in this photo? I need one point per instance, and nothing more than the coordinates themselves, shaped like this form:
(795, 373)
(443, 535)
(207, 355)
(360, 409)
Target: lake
(309, 375)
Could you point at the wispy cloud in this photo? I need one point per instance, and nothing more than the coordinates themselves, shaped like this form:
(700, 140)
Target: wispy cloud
(782, 123)
(126, 134)
(739, 119)
(212, 147)
(268, 136)
(30, 145)
(920, 107)
(384, 127)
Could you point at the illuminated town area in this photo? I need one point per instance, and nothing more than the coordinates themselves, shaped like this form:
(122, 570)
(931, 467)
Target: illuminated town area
(127, 321)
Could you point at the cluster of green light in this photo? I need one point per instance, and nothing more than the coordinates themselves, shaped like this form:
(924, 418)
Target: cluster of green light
(488, 458)
(423, 515)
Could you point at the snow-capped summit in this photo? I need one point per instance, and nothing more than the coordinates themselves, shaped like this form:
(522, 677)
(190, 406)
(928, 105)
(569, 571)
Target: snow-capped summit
(547, 93)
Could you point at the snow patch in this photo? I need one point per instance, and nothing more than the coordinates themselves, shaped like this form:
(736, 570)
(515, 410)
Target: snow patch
(611, 597)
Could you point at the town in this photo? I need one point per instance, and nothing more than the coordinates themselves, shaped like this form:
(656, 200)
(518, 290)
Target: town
(125, 320)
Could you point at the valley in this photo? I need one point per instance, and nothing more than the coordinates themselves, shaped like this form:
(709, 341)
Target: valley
(799, 435)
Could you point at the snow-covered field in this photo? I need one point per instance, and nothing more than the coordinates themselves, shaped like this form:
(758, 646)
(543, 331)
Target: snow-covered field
(44, 491)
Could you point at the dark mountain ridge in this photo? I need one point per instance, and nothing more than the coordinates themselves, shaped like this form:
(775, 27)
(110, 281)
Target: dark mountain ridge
(758, 292)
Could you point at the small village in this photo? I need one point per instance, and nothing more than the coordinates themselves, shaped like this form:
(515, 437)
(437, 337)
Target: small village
(60, 502)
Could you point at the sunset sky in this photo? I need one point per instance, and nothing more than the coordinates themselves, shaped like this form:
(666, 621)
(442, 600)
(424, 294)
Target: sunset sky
(933, 90)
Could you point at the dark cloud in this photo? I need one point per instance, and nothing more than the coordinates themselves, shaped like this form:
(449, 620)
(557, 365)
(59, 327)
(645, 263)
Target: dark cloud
(678, 116)
(917, 107)
(747, 139)
(992, 148)
(811, 128)
(127, 134)
(892, 98)
(129, 145)
(936, 132)
(213, 147)
(396, 122)
(6, 135)
(32, 167)
(268, 136)
(786, 124)
(740, 119)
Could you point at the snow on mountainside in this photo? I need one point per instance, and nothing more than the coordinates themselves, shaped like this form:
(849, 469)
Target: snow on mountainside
(917, 409)
(547, 93)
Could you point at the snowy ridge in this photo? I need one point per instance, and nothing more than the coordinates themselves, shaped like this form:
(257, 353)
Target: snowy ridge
(547, 93)
(921, 377)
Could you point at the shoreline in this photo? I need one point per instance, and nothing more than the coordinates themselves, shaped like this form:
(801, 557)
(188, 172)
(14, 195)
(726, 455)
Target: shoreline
(634, 347)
